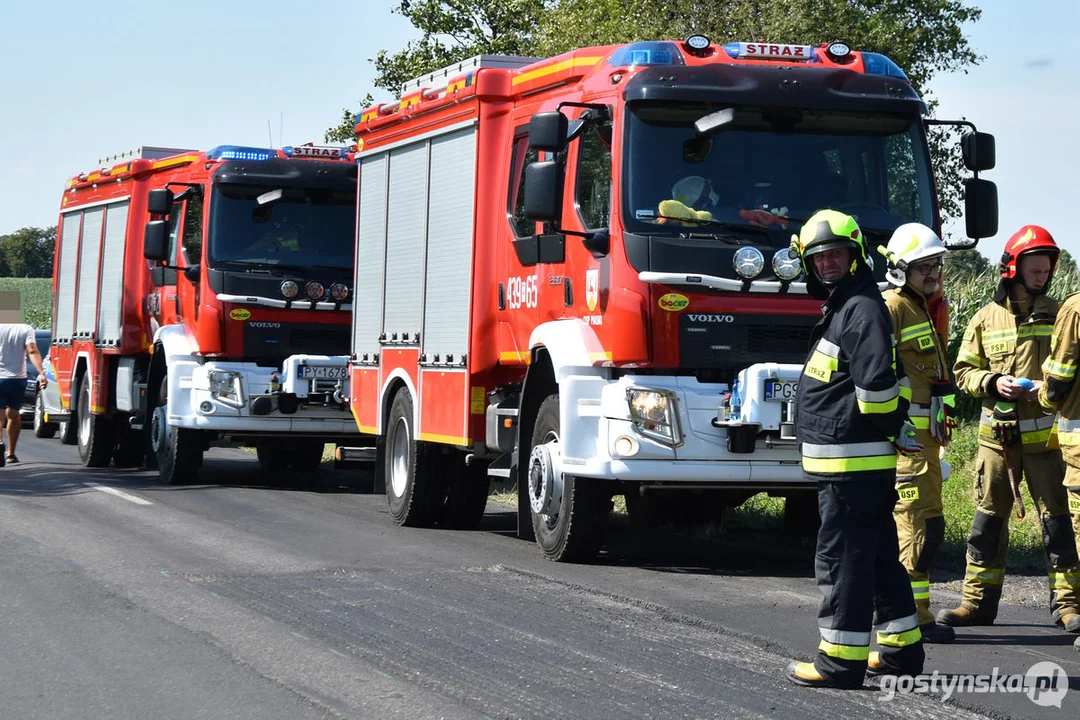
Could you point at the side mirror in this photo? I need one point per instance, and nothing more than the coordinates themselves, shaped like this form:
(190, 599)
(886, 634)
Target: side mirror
(159, 201)
(156, 241)
(979, 151)
(543, 191)
(548, 131)
(980, 208)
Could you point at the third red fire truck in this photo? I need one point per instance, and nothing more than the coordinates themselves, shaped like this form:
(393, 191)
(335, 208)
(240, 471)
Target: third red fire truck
(573, 272)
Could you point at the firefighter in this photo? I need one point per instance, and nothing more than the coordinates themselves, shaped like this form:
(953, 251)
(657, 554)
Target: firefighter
(851, 407)
(915, 254)
(1060, 392)
(1007, 341)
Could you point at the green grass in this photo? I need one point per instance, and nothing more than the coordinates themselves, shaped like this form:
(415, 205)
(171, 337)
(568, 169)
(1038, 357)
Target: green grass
(36, 297)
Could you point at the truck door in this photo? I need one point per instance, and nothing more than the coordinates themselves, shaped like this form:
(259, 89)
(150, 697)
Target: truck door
(520, 257)
(188, 254)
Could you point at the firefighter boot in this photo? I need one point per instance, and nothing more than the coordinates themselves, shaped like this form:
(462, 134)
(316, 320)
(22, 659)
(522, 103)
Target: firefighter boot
(876, 666)
(937, 633)
(807, 675)
(964, 616)
(1070, 621)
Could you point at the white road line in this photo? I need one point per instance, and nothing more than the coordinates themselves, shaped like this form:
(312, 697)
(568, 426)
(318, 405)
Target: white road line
(118, 493)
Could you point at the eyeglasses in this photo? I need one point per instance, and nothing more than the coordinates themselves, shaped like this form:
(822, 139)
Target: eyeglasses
(927, 268)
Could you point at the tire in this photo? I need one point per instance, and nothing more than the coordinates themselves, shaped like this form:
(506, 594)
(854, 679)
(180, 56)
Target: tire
(413, 490)
(576, 532)
(273, 455)
(178, 451)
(95, 435)
(42, 429)
(466, 497)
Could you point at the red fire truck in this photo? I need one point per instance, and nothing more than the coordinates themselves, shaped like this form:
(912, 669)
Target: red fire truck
(204, 295)
(573, 273)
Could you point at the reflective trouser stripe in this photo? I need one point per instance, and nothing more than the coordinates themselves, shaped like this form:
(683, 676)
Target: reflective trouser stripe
(919, 416)
(920, 589)
(1064, 581)
(987, 577)
(845, 652)
(898, 625)
(900, 639)
(845, 637)
(1031, 431)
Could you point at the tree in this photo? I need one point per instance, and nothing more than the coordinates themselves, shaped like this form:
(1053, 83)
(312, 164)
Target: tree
(345, 131)
(28, 252)
(960, 264)
(925, 37)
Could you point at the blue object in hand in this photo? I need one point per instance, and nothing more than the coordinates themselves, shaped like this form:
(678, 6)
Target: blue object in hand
(1024, 383)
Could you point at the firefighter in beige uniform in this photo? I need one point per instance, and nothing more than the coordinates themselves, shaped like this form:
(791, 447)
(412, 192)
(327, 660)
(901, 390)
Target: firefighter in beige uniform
(915, 254)
(1008, 339)
(1060, 392)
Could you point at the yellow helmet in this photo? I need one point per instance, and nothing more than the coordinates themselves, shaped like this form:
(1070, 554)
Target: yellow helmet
(825, 230)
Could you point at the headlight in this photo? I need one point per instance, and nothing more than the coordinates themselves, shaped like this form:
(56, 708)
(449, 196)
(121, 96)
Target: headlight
(339, 291)
(785, 266)
(225, 386)
(314, 290)
(290, 289)
(748, 262)
(655, 414)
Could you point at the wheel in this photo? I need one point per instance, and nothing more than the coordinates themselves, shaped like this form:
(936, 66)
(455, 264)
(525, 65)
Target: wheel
(130, 448)
(273, 455)
(413, 490)
(467, 494)
(96, 436)
(569, 515)
(42, 429)
(178, 450)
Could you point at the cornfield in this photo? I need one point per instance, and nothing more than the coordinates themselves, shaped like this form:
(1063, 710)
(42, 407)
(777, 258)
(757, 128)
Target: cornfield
(36, 296)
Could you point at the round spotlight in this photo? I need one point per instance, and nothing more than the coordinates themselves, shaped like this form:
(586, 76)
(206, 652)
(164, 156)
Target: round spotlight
(839, 52)
(339, 291)
(314, 290)
(748, 262)
(626, 446)
(785, 266)
(289, 289)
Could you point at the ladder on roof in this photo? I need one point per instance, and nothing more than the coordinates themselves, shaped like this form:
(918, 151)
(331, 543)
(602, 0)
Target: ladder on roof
(145, 152)
(437, 81)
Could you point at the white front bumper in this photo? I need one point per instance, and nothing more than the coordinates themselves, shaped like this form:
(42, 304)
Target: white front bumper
(595, 415)
(193, 405)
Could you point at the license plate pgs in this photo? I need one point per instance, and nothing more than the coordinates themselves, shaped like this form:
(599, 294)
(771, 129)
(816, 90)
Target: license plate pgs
(320, 373)
(780, 390)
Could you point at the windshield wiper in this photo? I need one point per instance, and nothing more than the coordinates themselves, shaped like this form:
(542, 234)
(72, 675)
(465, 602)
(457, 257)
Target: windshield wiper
(687, 225)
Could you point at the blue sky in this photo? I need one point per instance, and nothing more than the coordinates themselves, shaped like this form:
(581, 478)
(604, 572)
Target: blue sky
(83, 80)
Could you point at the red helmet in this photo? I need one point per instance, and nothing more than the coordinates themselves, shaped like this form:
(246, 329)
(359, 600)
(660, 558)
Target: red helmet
(1028, 239)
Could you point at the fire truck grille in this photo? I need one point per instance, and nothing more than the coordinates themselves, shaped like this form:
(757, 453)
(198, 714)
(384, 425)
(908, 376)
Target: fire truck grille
(775, 340)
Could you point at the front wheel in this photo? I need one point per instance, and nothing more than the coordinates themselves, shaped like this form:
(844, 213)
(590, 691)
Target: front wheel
(42, 429)
(569, 515)
(178, 450)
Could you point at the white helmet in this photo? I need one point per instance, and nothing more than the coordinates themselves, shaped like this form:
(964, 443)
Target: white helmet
(910, 243)
(694, 191)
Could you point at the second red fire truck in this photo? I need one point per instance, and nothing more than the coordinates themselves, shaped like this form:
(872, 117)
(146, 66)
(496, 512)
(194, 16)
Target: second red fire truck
(201, 296)
(573, 273)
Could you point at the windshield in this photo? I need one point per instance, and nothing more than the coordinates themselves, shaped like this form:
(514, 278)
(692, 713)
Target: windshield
(766, 170)
(294, 227)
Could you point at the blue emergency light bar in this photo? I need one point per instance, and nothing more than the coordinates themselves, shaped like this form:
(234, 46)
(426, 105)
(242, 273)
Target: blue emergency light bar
(650, 52)
(240, 152)
(878, 64)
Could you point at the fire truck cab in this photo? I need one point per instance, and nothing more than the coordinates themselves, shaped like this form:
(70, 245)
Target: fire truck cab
(200, 296)
(574, 273)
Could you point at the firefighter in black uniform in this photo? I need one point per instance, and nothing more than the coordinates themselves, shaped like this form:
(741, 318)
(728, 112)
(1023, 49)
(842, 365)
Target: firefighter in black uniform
(851, 418)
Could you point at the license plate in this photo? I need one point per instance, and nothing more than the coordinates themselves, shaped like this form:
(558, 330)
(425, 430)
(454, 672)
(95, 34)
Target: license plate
(780, 390)
(320, 373)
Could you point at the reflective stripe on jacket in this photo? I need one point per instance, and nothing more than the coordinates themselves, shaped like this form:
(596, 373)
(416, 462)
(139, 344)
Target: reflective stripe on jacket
(1000, 342)
(853, 395)
(1059, 390)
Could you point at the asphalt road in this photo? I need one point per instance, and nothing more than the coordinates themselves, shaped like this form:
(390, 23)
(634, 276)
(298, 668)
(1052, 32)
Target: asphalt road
(123, 598)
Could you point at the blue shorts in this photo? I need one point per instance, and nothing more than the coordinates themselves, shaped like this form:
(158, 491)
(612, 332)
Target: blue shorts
(11, 393)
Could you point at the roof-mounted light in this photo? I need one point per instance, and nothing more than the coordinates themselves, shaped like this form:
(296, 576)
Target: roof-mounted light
(878, 64)
(697, 45)
(769, 51)
(647, 53)
(324, 152)
(838, 52)
(240, 152)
